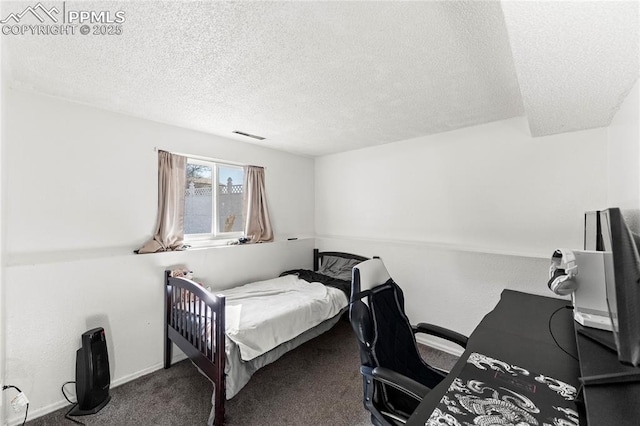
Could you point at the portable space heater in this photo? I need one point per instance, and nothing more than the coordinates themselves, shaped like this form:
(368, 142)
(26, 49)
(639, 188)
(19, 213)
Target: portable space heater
(92, 374)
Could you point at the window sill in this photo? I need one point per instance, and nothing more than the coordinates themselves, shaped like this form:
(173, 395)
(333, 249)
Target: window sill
(197, 244)
(209, 244)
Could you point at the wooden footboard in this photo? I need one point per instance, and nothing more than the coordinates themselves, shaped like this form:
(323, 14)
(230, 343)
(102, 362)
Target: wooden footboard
(194, 321)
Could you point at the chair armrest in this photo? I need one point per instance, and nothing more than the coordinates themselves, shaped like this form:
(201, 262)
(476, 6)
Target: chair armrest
(403, 383)
(441, 332)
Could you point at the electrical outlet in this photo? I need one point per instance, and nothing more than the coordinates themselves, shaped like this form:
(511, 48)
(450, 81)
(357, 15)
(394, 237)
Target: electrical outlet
(19, 401)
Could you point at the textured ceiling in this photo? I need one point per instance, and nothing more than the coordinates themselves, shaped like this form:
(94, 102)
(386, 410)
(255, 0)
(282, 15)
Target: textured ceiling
(576, 61)
(323, 77)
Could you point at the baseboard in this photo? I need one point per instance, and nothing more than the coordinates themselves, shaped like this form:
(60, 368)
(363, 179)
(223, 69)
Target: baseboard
(451, 348)
(34, 414)
(177, 358)
(43, 411)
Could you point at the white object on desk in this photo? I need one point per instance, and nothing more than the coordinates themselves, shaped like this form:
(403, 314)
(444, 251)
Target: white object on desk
(590, 298)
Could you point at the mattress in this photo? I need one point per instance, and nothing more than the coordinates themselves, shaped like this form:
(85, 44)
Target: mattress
(262, 315)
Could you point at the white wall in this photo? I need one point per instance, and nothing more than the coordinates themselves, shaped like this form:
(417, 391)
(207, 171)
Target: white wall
(624, 153)
(79, 197)
(3, 74)
(459, 216)
(90, 171)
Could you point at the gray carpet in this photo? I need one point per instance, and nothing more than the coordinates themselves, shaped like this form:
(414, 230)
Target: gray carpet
(315, 384)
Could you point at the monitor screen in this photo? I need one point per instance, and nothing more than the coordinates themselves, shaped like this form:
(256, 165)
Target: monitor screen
(622, 277)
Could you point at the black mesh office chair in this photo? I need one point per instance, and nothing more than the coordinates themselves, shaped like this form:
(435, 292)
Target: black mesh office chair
(395, 378)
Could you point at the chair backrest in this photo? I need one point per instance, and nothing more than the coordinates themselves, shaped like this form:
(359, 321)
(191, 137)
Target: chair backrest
(366, 276)
(384, 333)
(371, 273)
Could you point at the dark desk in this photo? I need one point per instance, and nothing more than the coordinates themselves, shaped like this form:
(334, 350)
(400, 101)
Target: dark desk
(517, 331)
(615, 404)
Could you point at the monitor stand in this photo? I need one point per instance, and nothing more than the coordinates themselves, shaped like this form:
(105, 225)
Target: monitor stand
(592, 320)
(606, 340)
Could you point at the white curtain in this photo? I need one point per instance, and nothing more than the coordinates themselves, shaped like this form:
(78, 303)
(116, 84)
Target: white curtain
(169, 233)
(257, 222)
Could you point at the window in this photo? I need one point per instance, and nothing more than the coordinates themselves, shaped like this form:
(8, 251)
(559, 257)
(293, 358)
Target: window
(213, 200)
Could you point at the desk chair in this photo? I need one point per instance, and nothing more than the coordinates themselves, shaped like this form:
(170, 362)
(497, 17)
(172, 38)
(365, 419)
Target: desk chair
(395, 378)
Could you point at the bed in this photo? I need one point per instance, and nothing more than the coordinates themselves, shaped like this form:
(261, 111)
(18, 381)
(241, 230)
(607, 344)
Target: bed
(228, 337)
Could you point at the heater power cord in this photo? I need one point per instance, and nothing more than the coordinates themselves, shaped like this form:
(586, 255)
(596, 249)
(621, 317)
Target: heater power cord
(26, 412)
(67, 416)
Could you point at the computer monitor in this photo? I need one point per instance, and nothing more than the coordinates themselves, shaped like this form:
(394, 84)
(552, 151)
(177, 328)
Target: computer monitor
(622, 280)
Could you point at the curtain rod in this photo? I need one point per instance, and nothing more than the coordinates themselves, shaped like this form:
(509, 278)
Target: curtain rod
(204, 158)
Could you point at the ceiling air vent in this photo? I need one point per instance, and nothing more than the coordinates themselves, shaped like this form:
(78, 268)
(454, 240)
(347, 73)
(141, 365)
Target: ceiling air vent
(260, 138)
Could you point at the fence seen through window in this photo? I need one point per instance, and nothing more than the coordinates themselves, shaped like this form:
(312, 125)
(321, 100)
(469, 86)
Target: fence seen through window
(213, 199)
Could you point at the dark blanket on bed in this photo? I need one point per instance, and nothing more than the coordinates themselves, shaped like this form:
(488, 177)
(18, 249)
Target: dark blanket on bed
(311, 276)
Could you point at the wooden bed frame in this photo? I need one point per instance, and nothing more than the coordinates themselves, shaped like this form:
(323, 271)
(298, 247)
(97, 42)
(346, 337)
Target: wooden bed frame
(193, 336)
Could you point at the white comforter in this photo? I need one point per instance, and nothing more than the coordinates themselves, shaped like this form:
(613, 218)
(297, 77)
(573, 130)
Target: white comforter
(264, 314)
